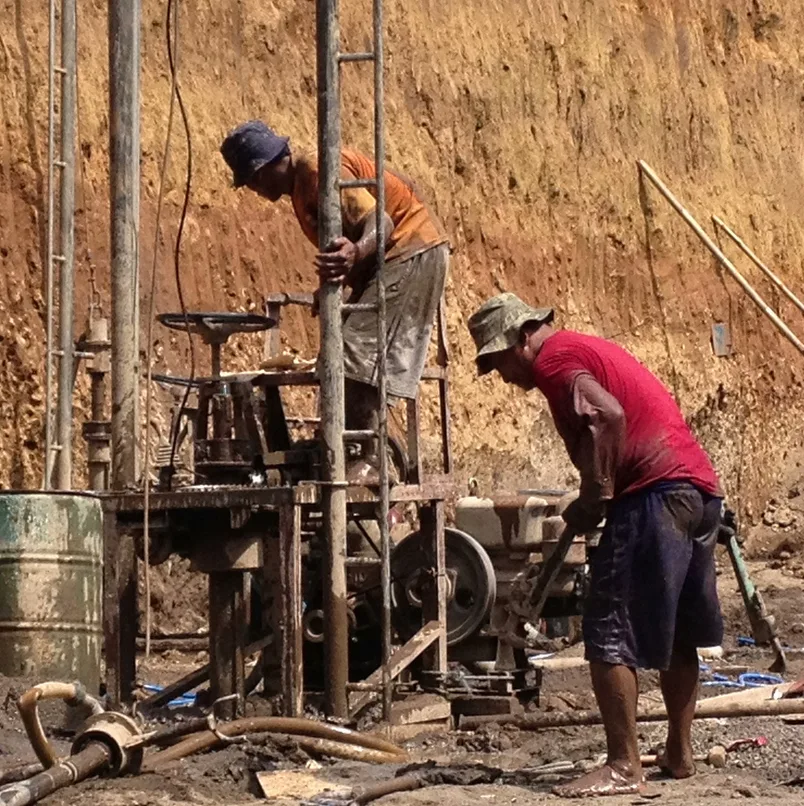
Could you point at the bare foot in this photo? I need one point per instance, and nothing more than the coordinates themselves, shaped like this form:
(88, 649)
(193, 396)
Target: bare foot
(676, 761)
(604, 781)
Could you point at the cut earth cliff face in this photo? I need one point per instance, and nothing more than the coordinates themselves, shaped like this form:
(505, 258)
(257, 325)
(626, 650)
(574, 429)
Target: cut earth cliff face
(522, 122)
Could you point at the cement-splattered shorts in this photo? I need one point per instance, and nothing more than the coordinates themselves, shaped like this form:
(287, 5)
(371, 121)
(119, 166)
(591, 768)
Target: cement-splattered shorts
(653, 584)
(413, 289)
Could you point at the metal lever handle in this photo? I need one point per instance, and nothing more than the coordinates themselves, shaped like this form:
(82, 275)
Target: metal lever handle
(549, 572)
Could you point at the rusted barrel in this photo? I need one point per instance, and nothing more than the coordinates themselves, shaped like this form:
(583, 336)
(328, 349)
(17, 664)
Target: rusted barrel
(51, 586)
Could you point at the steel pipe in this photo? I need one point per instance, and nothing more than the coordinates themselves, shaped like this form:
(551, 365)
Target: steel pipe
(206, 739)
(124, 179)
(382, 379)
(336, 646)
(51, 153)
(64, 393)
(94, 758)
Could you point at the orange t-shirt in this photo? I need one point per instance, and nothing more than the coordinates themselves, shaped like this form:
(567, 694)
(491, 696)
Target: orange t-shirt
(415, 228)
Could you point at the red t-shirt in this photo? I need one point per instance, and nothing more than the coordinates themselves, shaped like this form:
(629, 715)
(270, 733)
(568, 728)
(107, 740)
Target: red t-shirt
(658, 444)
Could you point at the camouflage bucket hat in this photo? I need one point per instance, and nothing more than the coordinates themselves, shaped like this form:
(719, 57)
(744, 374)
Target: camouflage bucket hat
(496, 325)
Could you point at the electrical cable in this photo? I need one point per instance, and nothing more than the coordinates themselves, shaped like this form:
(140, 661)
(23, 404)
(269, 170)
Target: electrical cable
(150, 343)
(179, 233)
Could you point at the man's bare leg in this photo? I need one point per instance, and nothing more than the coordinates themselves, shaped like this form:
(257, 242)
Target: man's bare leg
(680, 690)
(616, 692)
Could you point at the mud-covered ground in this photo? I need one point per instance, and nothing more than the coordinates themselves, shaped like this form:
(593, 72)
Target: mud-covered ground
(773, 772)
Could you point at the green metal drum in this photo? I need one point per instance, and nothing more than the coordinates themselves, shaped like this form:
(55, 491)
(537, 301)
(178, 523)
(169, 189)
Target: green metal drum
(51, 586)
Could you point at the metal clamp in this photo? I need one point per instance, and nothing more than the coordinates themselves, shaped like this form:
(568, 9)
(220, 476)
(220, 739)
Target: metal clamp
(120, 733)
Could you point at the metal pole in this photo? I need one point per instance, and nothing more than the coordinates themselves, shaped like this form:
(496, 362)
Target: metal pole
(336, 635)
(51, 98)
(758, 263)
(722, 259)
(382, 381)
(124, 172)
(64, 406)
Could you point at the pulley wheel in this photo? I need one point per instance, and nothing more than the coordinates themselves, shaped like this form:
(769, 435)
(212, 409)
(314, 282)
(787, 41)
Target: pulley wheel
(471, 584)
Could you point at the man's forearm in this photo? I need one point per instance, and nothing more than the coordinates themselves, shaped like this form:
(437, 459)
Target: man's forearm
(367, 246)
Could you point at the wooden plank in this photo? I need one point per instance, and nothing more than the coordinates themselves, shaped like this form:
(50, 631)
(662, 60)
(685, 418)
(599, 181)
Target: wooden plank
(291, 609)
(420, 708)
(273, 310)
(293, 377)
(272, 615)
(196, 678)
(129, 613)
(227, 620)
(404, 733)
(443, 389)
(291, 298)
(111, 609)
(400, 659)
(486, 704)
(436, 488)
(217, 498)
(446, 425)
(415, 471)
(434, 604)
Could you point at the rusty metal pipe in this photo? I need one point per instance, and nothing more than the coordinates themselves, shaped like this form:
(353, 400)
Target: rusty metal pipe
(286, 725)
(705, 709)
(348, 752)
(70, 771)
(21, 773)
(366, 794)
(74, 694)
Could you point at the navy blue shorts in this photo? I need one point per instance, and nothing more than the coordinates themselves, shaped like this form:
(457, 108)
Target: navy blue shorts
(653, 583)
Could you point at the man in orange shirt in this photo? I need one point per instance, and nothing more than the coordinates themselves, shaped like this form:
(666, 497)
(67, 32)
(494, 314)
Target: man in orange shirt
(417, 258)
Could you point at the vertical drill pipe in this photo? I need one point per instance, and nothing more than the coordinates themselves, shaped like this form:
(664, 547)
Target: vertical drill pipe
(64, 394)
(758, 263)
(51, 135)
(382, 380)
(331, 364)
(124, 173)
(721, 258)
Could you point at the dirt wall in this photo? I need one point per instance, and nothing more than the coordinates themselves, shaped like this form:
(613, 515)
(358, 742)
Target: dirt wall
(522, 121)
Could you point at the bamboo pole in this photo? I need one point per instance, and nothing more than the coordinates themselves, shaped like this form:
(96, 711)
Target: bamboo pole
(721, 258)
(718, 222)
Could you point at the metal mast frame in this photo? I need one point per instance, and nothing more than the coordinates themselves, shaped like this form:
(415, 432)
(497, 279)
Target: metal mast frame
(329, 59)
(58, 452)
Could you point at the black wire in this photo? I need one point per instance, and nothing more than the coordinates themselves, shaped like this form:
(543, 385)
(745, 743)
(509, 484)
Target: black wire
(179, 233)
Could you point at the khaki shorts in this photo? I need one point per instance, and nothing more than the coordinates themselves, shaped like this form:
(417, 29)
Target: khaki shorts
(413, 289)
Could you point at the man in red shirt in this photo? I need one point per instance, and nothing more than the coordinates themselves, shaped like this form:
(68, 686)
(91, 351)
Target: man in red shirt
(653, 599)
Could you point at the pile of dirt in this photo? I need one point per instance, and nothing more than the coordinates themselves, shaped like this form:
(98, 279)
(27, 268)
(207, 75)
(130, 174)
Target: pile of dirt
(179, 598)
